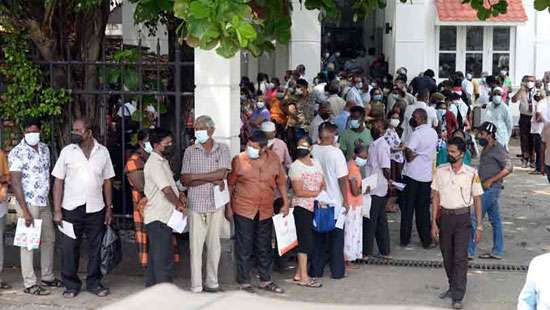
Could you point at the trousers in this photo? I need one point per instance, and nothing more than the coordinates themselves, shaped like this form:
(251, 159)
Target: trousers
(376, 227)
(417, 203)
(333, 243)
(93, 226)
(526, 142)
(453, 242)
(160, 264)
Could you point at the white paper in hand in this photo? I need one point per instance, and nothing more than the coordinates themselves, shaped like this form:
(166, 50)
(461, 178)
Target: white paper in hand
(177, 221)
(27, 237)
(370, 181)
(399, 186)
(324, 198)
(221, 198)
(67, 229)
(365, 211)
(341, 219)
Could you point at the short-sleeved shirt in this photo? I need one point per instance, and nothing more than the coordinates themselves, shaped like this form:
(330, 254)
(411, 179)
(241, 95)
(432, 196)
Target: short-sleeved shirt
(310, 176)
(334, 166)
(423, 142)
(379, 159)
(34, 166)
(158, 176)
(254, 185)
(135, 163)
(539, 107)
(409, 110)
(83, 177)
(348, 139)
(260, 114)
(196, 160)
(354, 175)
(456, 190)
(492, 160)
(280, 148)
(337, 104)
(393, 140)
(546, 139)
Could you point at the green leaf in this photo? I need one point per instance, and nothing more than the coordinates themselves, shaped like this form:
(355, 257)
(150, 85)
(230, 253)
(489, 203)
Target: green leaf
(541, 5)
(247, 31)
(198, 10)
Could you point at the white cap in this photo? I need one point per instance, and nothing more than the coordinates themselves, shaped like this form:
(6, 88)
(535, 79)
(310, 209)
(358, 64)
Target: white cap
(498, 89)
(150, 109)
(268, 127)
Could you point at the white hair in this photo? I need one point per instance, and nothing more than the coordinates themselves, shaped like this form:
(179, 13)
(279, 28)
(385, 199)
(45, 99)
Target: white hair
(204, 120)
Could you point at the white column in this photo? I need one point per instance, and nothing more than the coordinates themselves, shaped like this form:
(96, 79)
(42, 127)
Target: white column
(305, 40)
(217, 94)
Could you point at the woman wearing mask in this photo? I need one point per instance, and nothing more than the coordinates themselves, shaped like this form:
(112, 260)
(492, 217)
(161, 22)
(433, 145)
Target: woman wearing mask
(277, 111)
(377, 107)
(353, 229)
(260, 114)
(397, 158)
(306, 176)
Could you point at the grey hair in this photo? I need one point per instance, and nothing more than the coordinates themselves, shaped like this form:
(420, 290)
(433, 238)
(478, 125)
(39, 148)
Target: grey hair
(205, 120)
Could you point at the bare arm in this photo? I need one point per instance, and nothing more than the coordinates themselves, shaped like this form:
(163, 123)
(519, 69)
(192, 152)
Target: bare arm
(301, 191)
(137, 180)
(57, 199)
(355, 188)
(281, 185)
(409, 154)
(543, 157)
(196, 179)
(108, 196)
(173, 198)
(17, 187)
(343, 183)
(435, 207)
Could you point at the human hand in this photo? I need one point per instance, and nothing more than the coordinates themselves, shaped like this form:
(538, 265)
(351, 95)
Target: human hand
(228, 213)
(478, 235)
(435, 232)
(108, 216)
(58, 217)
(221, 184)
(487, 184)
(29, 220)
(367, 191)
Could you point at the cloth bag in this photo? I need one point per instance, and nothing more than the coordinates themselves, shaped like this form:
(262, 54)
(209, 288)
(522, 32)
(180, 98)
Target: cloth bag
(285, 232)
(111, 251)
(323, 218)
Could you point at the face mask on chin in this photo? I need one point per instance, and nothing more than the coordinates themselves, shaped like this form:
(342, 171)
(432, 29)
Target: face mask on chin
(452, 159)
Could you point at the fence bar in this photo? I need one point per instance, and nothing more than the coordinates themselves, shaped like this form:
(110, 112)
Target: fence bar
(177, 88)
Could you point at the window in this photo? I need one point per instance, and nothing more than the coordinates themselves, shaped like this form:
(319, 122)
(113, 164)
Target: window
(475, 49)
(447, 51)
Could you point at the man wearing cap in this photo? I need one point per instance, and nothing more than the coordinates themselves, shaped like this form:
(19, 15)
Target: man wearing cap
(499, 114)
(494, 166)
(456, 187)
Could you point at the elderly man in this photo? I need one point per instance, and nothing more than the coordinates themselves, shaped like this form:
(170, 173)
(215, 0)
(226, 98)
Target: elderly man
(499, 114)
(82, 196)
(420, 153)
(30, 180)
(255, 175)
(204, 166)
(324, 115)
(527, 104)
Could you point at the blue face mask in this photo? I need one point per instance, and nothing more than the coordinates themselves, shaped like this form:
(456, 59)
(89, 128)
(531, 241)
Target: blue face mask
(202, 136)
(377, 97)
(252, 153)
(354, 123)
(360, 161)
(148, 147)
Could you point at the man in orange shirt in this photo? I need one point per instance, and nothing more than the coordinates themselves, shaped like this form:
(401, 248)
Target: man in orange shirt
(255, 175)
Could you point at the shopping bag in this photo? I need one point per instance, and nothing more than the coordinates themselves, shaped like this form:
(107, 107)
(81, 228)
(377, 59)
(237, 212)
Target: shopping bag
(285, 231)
(323, 218)
(27, 237)
(111, 251)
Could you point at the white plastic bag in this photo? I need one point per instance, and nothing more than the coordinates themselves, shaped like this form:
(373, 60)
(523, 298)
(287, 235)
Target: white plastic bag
(27, 237)
(285, 231)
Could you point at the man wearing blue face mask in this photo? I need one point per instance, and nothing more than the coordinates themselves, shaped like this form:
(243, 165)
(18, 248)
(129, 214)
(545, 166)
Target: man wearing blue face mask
(204, 166)
(255, 175)
(499, 114)
(357, 131)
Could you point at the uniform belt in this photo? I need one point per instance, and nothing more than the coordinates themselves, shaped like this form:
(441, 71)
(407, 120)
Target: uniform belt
(460, 211)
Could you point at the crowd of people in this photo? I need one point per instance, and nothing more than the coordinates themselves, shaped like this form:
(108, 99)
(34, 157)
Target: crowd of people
(300, 140)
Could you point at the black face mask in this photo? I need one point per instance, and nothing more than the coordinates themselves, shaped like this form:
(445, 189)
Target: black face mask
(76, 138)
(324, 116)
(301, 153)
(168, 151)
(375, 133)
(452, 159)
(483, 141)
(413, 123)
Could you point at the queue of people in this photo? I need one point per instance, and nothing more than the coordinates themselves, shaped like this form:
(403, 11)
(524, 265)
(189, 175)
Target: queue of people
(298, 142)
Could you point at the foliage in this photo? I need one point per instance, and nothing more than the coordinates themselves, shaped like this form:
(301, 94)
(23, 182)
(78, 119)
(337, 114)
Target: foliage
(26, 96)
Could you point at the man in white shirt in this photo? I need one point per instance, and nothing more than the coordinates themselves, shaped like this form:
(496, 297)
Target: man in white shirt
(335, 168)
(324, 115)
(540, 108)
(535, 294)
(420, 153)
(421, 103)
(526, 97)
(337, 104)
(378, 163)
(83, 197)
(354, 93)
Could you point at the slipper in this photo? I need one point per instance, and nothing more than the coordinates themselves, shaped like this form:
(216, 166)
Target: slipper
(70, 294)
(36, 290)
(272, 287)
(5, 286)
(490, 256)
(54, 283)
(311, 284)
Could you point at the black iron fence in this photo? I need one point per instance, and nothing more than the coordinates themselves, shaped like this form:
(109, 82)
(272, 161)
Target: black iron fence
(159, 87)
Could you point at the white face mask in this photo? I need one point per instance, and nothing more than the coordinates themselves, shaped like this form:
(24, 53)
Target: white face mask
(335, 140)
(202, 136)
(360, 85)
(299, 91)
(32, 138)
(360, 161)
(252, 153)
(260, 104)
(394, 122)
(497, 99)
(270, 142)
(148, 147)
(530, 85)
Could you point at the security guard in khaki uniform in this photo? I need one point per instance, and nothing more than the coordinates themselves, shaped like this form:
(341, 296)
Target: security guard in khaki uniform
(456, 187)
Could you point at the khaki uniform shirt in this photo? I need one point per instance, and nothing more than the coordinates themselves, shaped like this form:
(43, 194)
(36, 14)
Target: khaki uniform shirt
(456, 190)
(158, 176)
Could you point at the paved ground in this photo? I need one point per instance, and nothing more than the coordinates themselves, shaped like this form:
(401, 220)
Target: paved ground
(526, 214)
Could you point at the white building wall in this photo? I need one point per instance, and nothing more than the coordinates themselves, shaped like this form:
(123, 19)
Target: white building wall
(305, 40)
(542, 43)
(131, 33)
(525, 45)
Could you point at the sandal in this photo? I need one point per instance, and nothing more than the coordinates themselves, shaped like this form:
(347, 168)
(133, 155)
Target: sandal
(272, 287)
(490, 256)
(5, 286)
(311, 284)
(54, 283)
(100, 291)
(69, 294)
(36, 290)
(249, 289)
